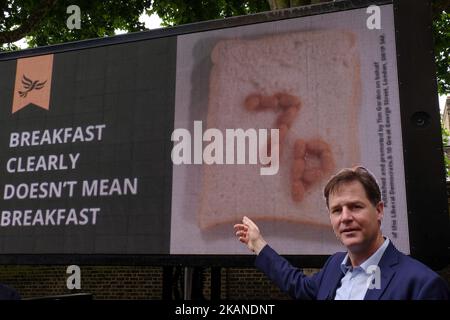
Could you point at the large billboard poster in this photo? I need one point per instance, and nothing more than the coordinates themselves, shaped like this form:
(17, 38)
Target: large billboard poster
(150, 147)
(329, 85)
(85, 140)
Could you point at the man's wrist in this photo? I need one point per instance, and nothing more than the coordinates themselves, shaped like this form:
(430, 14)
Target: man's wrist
(260, 244)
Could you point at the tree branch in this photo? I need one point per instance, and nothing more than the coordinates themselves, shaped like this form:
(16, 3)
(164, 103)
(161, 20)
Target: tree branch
(31, 22)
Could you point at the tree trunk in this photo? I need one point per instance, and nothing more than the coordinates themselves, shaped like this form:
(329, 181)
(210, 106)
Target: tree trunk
(282, 4)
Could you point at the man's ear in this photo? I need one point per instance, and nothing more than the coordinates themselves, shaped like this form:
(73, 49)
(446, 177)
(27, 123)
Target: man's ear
(380, 211)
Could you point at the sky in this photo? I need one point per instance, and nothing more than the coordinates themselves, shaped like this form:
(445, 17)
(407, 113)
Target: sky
(442, 103)
(151, 22)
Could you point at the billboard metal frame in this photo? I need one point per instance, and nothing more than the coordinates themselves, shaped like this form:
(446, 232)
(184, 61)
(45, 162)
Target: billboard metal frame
(428, 218)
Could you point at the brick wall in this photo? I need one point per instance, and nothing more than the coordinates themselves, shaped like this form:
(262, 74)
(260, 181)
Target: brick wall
(125, 282)
(103, 282)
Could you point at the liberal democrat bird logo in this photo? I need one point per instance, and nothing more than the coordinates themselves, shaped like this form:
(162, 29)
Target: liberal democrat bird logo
(30, 85)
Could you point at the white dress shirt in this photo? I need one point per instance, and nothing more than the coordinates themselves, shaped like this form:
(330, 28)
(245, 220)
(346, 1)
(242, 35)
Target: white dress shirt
(358, 280)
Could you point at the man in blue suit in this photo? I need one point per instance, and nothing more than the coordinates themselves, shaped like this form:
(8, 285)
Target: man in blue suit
(371, 269)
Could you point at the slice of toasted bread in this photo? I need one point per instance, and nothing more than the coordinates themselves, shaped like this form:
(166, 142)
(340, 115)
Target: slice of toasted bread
(321, 69)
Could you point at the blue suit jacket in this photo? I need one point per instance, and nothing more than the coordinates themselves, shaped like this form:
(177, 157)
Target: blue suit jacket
(402, 278)
(8, 293)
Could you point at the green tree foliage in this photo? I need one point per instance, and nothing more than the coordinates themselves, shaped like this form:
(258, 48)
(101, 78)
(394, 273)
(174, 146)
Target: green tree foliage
(176, 12)
(43, 22)
(441, 26)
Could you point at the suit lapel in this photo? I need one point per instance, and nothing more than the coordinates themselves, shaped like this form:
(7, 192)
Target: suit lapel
(334, 283)
(333, 279)
(387, 271)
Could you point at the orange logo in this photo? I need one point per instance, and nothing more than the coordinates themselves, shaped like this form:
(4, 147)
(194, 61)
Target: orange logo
(33, 82)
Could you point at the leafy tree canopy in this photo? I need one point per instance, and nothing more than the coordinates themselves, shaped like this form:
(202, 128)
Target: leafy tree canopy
(43, 22)
(441, 26)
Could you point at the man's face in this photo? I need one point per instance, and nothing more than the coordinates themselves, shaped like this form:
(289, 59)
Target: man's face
(355, 220)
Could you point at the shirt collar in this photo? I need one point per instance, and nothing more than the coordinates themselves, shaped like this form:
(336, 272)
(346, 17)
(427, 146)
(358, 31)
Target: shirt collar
(374, 259)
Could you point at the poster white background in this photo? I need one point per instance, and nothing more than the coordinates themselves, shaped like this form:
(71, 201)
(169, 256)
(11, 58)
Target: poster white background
(193, 53)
